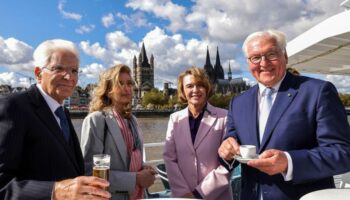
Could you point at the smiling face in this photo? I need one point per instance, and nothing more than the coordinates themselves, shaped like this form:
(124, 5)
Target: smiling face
(194, 91)
(121, 94)
(267, 72)
(59, 85)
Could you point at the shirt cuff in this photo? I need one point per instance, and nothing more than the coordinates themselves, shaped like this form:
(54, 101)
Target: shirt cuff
(289, 175)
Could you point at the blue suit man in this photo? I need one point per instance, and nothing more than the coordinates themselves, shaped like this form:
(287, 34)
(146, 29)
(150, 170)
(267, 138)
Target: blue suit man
(306, 138)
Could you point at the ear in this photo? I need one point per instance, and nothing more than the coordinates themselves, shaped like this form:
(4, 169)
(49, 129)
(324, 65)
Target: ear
(37, 72)
(286, 56)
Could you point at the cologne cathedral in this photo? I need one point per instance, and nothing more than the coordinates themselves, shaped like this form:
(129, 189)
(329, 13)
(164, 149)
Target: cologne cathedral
(217, 77)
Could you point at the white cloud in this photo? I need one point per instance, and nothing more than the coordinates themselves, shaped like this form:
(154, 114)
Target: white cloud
(164, 9)
(108, 20)
(129, 22)
(13, 51)
(93, 70)
(85, 29)
(68, 15)
(9, 78)
(340, 82)
(118, 40)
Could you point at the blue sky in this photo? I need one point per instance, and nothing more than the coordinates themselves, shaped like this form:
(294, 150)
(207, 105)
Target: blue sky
(177, 33)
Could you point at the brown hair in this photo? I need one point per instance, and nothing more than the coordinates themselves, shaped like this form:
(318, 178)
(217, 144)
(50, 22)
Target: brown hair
(201, 78)
(108, 80)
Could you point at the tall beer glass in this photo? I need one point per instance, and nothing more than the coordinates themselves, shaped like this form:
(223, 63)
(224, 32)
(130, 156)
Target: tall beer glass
(101, 166)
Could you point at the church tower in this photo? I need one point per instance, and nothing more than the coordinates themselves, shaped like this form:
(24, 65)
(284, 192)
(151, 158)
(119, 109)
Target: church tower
(208, 67)
(143, 73)
(229, 73)
(219, 71)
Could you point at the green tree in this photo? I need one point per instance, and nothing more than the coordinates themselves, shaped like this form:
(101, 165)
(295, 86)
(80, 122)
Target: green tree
(154, 97)
(221, 101)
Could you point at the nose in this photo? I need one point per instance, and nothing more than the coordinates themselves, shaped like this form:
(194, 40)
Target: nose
(68, 74)
(263, 61)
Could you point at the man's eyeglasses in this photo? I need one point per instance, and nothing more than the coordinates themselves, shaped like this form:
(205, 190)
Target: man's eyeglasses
(270, 56)
(60, 69)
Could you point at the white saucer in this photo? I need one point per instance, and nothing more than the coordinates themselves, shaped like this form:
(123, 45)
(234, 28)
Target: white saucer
(244, 160)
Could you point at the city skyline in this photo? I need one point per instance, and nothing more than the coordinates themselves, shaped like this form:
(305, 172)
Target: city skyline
(177, 33)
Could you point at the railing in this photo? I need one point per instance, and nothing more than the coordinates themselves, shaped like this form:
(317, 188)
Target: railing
(147, 145)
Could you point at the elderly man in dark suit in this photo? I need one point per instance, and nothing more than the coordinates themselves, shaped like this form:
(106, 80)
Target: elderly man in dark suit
(298, 125)
(40, 156)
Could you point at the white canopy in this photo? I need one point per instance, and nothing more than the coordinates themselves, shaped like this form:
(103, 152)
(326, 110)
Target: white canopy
(325, 48)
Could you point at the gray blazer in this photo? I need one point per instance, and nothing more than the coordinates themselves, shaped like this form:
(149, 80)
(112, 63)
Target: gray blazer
(122, 182)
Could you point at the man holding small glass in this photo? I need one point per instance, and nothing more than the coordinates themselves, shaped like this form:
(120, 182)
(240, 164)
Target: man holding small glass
(40, 156)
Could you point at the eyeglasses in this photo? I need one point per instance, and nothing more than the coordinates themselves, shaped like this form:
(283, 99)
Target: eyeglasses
(60, 69)
(270, 56)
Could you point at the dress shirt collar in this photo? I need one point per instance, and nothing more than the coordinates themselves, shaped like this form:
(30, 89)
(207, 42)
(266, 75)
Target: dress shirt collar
(53, 104)
(275, 87)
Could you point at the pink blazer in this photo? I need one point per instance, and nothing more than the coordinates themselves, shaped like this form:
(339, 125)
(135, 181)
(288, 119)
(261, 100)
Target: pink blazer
(196, 166)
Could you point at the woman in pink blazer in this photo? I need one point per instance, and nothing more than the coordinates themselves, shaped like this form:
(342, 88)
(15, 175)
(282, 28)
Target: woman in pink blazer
(193, 137)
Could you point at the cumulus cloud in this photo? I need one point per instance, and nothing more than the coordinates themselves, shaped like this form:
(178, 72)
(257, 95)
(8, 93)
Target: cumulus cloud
(164, 9)
(340, 82)
(68, 15)
(10, 78)
(132, 21)
(108, 20)
(13, 51)
(92, 70)
(85, 29)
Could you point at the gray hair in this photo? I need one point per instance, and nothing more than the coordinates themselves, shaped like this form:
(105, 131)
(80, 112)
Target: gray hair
(44, 51)
(277, 35)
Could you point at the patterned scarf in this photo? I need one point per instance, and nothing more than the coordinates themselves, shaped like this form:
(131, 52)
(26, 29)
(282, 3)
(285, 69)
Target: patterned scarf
(133, 144)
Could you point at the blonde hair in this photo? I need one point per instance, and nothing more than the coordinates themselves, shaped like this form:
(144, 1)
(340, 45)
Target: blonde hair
(108, 80)
(201, 78)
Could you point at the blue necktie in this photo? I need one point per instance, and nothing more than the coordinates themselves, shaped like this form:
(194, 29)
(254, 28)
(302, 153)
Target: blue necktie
(265, 111)
(63, 122)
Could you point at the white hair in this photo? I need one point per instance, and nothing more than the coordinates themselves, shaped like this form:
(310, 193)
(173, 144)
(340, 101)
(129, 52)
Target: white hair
(277, 35)
(44, 51)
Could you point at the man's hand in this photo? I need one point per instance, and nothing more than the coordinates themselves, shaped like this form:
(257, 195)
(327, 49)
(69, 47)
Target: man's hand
(271, 162)
(82, 187)
(228, 149)
(145, 178)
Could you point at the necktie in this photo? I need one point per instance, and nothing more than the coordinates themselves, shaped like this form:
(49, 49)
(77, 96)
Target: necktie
(265, 111)
(63, 122)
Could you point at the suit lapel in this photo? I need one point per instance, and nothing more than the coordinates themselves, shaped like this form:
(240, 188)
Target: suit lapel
(117, 137)
(184, 128)
(283, 99)
(206, 124)
(251, 117)
(44, 113)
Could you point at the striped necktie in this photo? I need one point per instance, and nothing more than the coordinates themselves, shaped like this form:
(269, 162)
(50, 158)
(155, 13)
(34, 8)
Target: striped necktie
(265, 111)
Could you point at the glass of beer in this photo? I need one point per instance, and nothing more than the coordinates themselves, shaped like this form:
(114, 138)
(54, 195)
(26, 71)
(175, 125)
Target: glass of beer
(101, 166)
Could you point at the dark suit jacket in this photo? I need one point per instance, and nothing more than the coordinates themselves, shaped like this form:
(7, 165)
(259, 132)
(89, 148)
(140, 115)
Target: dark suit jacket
(33, 151)
(309, 122)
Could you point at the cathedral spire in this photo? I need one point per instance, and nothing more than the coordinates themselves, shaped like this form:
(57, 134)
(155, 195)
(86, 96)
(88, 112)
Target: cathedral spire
(208, 67)
(144, 58)
(229, 74)
(219, 71)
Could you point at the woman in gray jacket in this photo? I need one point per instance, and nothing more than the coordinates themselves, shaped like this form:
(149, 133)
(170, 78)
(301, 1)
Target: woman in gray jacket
(110, 128)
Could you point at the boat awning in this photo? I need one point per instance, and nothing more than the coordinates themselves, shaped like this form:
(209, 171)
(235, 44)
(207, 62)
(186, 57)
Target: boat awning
(325, 48)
